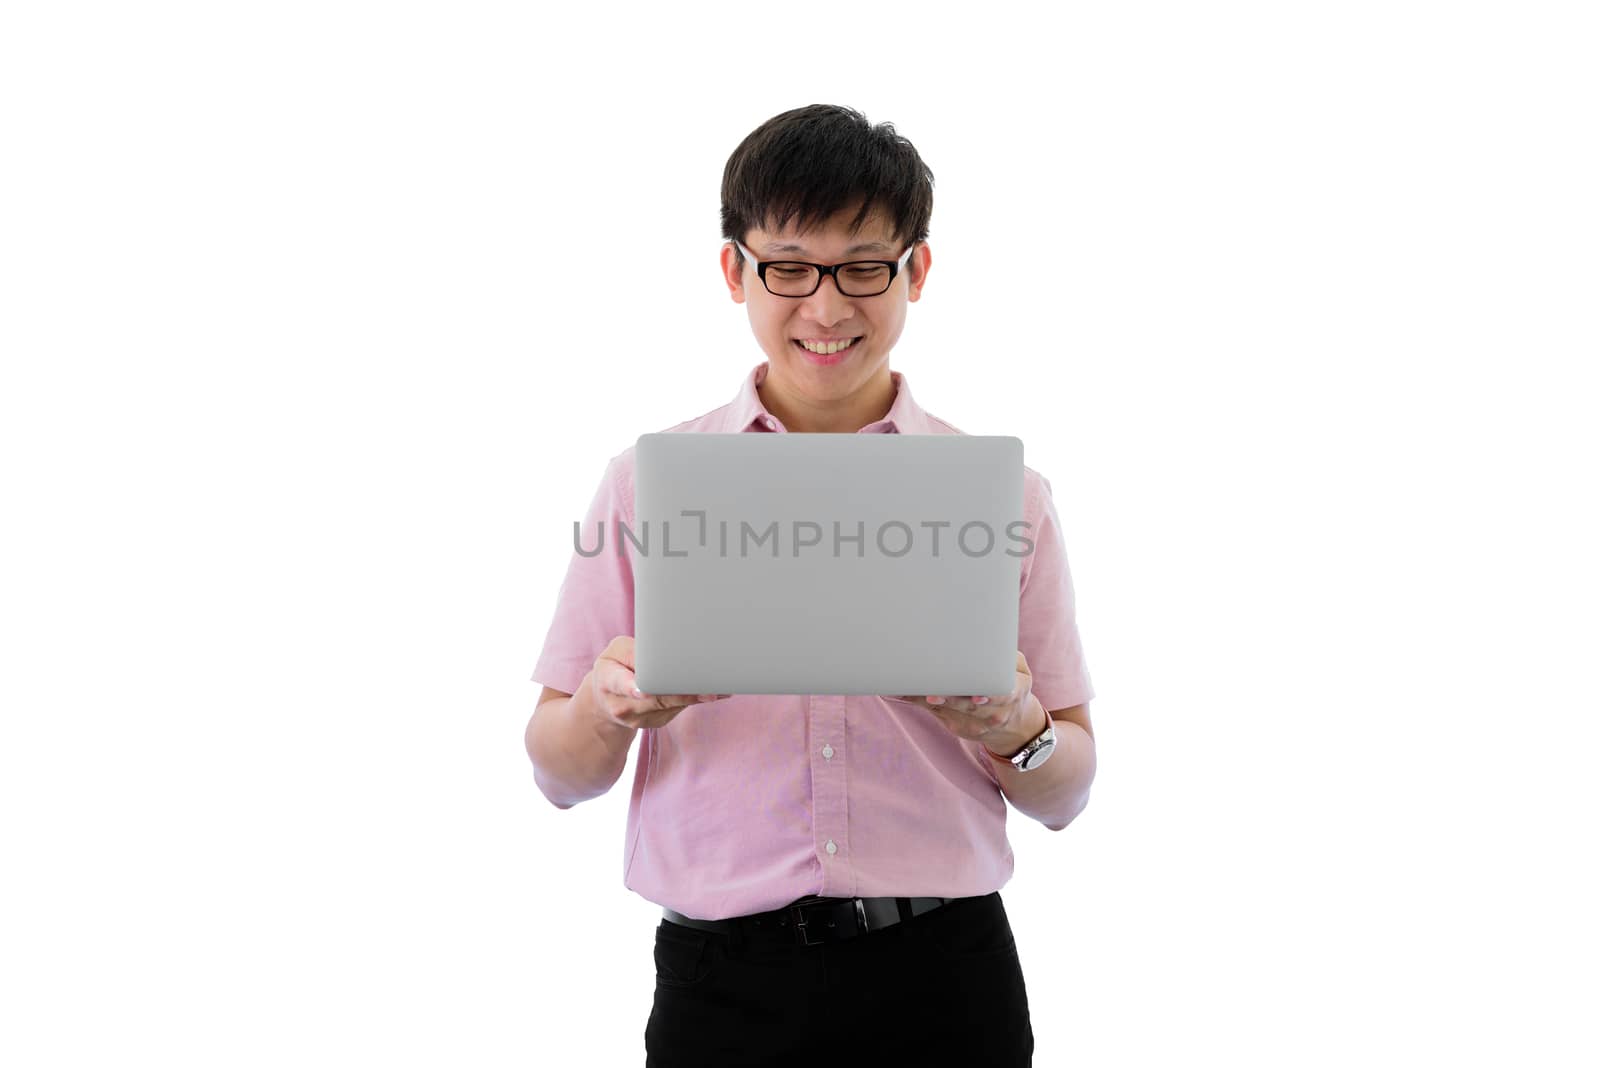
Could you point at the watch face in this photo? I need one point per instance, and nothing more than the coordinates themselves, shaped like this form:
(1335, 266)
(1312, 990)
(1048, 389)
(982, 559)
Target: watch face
(1037, 756)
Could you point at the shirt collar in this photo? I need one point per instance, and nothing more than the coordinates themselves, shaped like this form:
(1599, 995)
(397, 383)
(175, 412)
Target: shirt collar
(747, 413)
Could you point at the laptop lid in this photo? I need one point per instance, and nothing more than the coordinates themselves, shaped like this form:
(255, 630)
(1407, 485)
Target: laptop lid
(826, 563)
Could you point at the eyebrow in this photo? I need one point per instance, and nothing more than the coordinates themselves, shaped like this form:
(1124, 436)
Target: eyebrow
(870, 246)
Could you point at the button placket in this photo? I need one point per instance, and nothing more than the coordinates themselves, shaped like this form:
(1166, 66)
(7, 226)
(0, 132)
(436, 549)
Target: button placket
(829, 780)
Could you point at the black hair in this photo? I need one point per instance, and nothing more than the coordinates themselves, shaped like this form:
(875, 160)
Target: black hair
(813, 162)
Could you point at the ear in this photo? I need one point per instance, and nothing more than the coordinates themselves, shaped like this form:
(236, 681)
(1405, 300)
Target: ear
(733, 272)
(917, 270)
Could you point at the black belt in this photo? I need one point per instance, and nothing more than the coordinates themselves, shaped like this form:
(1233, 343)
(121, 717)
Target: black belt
(821, 919)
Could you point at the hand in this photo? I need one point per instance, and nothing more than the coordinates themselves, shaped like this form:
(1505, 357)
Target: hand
(1004, 724)
(617, 699)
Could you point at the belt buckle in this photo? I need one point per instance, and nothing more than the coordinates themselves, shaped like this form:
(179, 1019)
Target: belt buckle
(805, 935)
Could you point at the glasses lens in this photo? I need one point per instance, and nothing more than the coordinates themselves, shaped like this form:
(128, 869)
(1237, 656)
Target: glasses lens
(791, 279)
(863, 279)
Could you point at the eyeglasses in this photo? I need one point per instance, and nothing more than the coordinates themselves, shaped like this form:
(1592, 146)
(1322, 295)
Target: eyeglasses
(858, 278)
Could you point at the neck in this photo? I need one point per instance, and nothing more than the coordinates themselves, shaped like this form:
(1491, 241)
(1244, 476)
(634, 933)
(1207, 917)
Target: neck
(802, 415)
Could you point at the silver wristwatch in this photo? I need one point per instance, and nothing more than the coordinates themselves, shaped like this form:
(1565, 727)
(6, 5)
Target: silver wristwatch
(1035, 752)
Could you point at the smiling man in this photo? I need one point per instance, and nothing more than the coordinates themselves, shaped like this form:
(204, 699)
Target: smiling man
(829, 867)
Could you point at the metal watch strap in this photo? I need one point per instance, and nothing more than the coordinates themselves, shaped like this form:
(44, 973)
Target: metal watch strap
(1045, 737)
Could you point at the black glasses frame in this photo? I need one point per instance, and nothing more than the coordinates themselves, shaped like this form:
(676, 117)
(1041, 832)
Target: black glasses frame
(824, 270)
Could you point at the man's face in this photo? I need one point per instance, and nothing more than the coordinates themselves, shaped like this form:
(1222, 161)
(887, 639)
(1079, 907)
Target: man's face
(781, 323)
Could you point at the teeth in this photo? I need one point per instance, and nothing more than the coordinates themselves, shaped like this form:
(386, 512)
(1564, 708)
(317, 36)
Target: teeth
(829, 348)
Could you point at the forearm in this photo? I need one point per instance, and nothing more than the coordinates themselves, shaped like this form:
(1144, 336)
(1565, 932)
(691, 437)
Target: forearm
(577, 753)
(1057, 790)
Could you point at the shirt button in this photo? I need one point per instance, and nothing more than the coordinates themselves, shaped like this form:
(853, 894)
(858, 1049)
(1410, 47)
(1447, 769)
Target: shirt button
(769, 422)
(827, 752)
(831, 847)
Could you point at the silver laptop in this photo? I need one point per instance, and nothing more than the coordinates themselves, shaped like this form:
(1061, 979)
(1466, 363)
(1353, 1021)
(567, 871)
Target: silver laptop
(826, 563)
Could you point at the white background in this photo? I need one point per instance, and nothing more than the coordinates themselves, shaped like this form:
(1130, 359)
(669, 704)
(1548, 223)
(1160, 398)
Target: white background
(317, 336)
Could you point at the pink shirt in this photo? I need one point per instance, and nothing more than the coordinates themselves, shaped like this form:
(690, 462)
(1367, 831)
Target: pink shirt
(746, 804)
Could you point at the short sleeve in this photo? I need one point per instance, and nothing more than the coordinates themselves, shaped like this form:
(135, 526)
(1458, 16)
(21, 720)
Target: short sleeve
(595, 604)
(1047, 626)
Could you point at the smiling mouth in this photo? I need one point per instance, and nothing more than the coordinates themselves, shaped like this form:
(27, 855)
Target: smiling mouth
(836, 352)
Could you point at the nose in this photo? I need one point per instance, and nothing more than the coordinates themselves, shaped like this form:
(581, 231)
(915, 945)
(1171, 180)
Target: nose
(827, 305)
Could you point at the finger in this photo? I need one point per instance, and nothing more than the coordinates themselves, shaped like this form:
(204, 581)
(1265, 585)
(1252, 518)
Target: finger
(618, 681)
(614, 675)
(661, 700)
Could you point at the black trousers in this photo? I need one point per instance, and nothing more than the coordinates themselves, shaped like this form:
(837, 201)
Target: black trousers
(945, 987)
